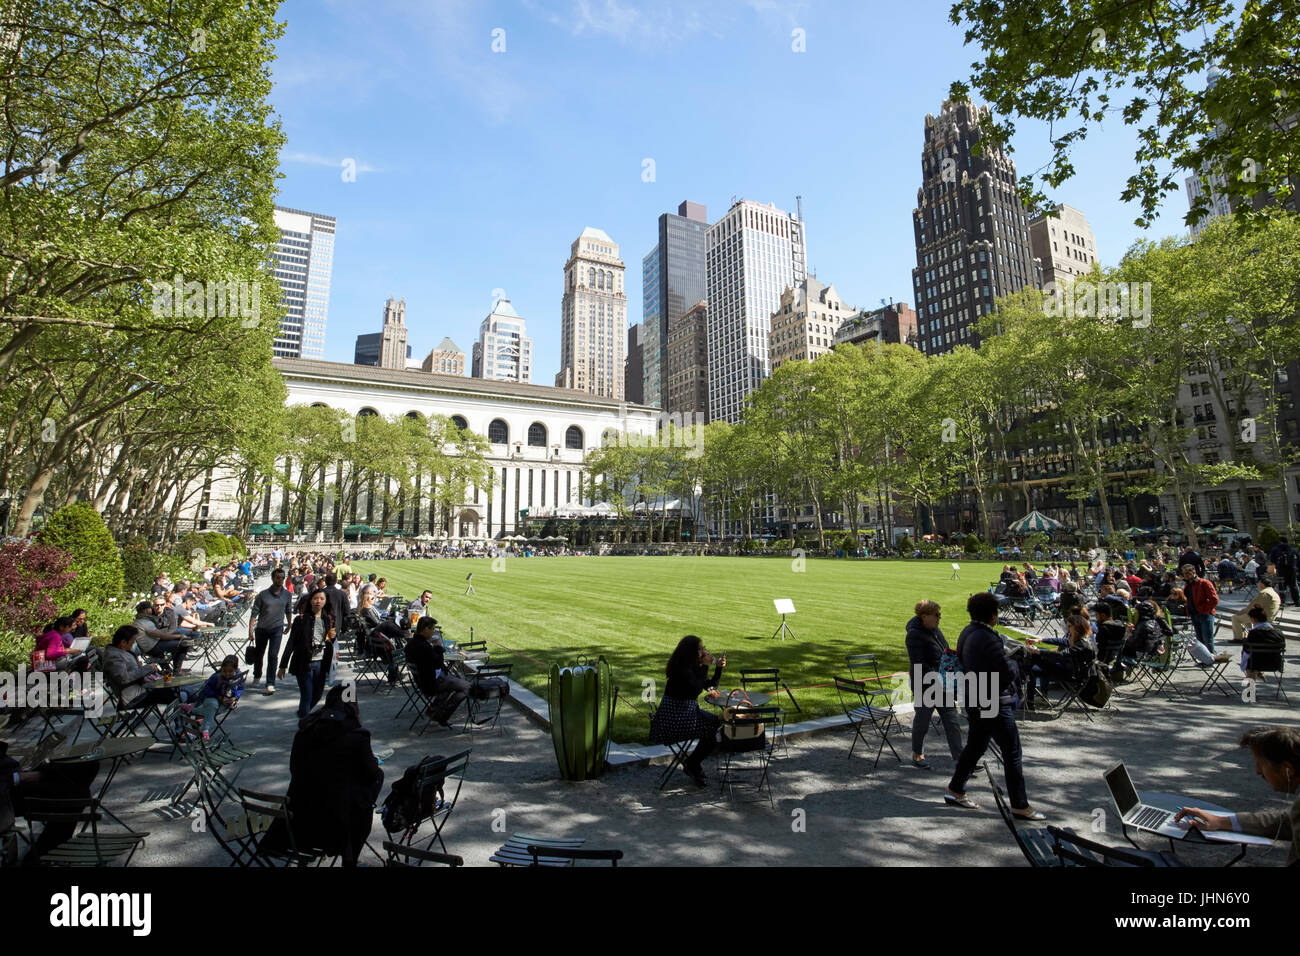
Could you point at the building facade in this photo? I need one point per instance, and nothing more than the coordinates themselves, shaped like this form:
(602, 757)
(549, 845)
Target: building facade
(970, 228)
(445, 359)
(393, 351)
(804, 325)
(503, 352)
(593, 324)
(1063, 244)
(687, 365)
(633, 374)
(538, 439)
(893, 324)
(754, 253)
(366, 351)
(304, 261)
(673, 279)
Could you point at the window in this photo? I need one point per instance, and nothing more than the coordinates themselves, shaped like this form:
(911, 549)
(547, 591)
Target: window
(537, 435)
(498, 432)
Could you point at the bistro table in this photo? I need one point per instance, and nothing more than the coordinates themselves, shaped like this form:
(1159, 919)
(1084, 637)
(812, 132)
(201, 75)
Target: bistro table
(719, 699)
(1175, 801)
(116, 750)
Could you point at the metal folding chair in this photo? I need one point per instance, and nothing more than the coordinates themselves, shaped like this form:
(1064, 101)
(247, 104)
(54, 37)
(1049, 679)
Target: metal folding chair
(733, 762)
(681, 750)
(772, 675)
(485, 712)
(861, 706)
(399, 855)
(447, 770)
(89, 847)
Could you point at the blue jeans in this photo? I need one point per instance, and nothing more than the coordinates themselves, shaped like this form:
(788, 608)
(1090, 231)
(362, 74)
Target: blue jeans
(1001, 729)
(1204, 625)
(311, 684)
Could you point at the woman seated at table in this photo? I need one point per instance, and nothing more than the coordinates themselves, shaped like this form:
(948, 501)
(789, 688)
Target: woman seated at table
(1277, 759)
(55, 643)
(1073, 661)
(679, 716)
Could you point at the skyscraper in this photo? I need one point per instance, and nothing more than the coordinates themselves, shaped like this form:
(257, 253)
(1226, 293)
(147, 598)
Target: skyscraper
(633, 376)
(754, 253)
(972, 234)
(392, 343)
(593, 323)
(503, 350)
(367, 349)
(673, 280)
(304, 259)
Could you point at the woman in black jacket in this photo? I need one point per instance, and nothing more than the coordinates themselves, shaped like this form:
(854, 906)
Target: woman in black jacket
(679, 716)
(925, 647)
(310, 649)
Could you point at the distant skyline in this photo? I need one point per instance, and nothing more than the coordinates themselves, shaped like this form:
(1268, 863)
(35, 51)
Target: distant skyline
(475, 169)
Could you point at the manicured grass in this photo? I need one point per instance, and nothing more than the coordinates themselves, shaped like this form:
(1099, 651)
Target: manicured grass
(634, 610)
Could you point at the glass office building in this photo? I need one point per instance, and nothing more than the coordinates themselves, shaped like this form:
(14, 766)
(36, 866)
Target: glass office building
(304, 259)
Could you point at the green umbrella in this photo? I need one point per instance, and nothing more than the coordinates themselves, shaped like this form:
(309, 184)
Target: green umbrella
(1034, 521)
(281, 529)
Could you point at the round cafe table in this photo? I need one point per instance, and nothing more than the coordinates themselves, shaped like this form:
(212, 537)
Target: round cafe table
(113, 749)
(756, 698)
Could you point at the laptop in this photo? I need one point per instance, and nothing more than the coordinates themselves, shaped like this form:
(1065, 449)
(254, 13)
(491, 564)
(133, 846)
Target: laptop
(1137, 814)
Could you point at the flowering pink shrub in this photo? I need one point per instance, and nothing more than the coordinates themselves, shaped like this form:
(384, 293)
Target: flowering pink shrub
(30, 576)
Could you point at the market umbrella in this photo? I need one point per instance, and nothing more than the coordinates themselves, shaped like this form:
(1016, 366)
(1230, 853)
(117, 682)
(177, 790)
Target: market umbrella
(1134, 532)
(1034, 521)
(1220, 529)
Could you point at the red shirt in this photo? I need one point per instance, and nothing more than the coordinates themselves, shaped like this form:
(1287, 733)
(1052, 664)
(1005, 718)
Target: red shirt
(52, 643)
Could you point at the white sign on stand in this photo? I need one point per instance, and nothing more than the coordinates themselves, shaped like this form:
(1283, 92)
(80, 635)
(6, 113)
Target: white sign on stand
(784, 606)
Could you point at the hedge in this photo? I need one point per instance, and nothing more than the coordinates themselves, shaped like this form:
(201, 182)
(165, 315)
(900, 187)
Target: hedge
(78, 530)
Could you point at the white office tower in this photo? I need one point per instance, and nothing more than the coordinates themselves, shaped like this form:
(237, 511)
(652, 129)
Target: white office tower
(754, 253)
(304, 258)
(503, 351)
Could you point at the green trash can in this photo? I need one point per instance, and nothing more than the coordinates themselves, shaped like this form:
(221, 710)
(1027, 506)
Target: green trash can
(582, 698)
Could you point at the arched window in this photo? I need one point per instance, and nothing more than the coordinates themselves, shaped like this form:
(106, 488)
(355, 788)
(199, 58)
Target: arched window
(609, 282)
(319, 405)
(537, 435)
(367, 411)
(498, 433)
(459, 422)
(573, 437)
(591, 278)
(416, 415)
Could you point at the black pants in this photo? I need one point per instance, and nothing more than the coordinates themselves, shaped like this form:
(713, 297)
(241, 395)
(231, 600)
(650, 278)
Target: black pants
(1288, 582)
(264, 642)
(1002, 729)
(172, 646)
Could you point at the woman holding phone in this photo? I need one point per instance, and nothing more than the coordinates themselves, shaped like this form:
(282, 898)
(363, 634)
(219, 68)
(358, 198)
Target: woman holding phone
(679, 716)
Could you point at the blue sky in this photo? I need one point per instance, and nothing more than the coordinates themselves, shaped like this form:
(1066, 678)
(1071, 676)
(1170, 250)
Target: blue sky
(477, 169)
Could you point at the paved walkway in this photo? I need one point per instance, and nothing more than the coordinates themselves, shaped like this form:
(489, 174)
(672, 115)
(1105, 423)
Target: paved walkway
(829, 810)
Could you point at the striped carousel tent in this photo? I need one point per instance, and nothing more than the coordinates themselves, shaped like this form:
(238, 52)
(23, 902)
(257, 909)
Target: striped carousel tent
(1034, 521)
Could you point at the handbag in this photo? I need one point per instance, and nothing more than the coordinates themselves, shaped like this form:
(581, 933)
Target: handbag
(250, 654)
(742, 708)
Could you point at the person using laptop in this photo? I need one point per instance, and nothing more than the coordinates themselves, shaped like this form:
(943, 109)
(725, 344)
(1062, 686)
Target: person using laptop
(1277, 759)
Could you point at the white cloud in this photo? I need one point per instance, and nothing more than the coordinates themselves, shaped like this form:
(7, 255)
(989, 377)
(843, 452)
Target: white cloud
(316, 159)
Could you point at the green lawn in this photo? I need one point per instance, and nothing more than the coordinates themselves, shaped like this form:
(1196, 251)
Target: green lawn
(633, 610)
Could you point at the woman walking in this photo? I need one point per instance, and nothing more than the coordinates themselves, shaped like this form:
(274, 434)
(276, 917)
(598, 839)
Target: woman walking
(925, 648)
(310, 650)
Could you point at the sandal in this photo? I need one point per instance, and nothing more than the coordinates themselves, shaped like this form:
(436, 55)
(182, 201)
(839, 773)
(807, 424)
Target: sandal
(1030, 814)
(962, 801)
